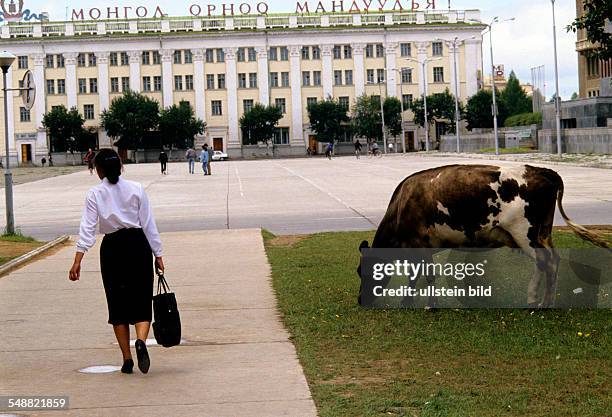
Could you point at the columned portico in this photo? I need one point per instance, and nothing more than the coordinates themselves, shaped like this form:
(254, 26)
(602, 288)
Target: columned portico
(263, 76)
(135, 57)
(198, 83)
(328, 87)
(71, 79)
(11, 121)
(359, 73)
(473, 58)
(422, 56)
(166, 57)
(232, 98)
(40, 105)
(391, 51)
(103, 90)
(297, 120)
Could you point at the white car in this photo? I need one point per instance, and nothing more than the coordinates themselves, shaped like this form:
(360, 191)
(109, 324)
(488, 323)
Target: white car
(220, 156)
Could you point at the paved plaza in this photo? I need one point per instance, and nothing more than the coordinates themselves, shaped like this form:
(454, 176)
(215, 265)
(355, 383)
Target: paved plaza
(285, 196)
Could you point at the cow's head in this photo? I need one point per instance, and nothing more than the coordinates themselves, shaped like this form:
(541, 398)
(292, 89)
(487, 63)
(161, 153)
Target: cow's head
(364, 245)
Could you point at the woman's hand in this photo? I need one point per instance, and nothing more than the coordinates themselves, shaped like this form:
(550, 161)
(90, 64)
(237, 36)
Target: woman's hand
(159, 265)
(75, 271)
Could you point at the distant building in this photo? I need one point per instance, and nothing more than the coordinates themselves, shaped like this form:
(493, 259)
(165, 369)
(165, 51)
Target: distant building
(501, 81)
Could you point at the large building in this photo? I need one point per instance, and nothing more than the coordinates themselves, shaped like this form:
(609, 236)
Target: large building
(223, 65)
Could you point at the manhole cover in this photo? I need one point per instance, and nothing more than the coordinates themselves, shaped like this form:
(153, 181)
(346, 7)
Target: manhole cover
(100, 369)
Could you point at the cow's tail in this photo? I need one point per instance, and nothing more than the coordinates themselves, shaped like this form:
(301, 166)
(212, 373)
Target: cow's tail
(577, 228)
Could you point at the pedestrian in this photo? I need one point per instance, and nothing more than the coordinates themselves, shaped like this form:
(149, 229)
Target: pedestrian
(330, 150)
(50, 160)
(43, 161)
(89, 160)
(390, 147)
(122, 211)
(191, 157)
(357, 149)
(211, 152)
(163, 160)
(204, 159)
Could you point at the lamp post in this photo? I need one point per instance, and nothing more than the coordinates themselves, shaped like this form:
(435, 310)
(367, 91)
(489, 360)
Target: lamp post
(6, 60)
(557, 98)
(424, 76)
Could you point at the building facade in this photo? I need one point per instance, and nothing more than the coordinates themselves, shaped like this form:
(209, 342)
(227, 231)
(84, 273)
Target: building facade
(224, 65)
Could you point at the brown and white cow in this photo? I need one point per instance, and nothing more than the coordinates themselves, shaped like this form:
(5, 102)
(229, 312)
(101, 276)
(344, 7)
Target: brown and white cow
(481, 206)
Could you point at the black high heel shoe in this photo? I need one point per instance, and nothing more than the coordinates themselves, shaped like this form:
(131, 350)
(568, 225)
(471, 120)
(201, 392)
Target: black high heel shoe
(128, 366)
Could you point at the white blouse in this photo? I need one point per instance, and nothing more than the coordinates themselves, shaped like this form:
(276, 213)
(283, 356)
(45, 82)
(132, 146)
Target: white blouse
(124, 205)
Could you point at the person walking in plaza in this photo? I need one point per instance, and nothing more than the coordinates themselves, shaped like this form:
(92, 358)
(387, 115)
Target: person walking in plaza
(121, 210)
(357, 149)
(204, 157)
(163, 160)
(50, 160)
(211, 152)
(191, 157)
(89, 160)
(329, 152)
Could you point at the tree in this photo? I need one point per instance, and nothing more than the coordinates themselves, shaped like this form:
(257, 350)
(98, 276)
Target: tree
(596, 14)
(65, 129)
(574, 96)
(129, 118)
(178, 126)
(366, 118)
(514, 97)
(259, 123)
(440, 106)
(393, 115)
(478, 111)
(328, 120)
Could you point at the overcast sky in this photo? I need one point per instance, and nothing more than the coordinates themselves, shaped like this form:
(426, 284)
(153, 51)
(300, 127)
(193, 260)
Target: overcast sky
(520, 45)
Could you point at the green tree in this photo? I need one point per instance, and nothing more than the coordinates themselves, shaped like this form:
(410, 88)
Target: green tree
(514, 97)
(366, 118)
(440, 107)
(593, 20)
(328, 120)
(178, 126)
(574, 96)
(129, 118)
(478, 111)
(65, 129)
(393, 115)
(259, 124)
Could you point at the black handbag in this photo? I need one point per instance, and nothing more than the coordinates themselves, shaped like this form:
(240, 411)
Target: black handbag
(167, 324)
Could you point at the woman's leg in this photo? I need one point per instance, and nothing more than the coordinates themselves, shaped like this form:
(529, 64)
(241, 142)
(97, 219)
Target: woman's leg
(142, 330)
(122, 333)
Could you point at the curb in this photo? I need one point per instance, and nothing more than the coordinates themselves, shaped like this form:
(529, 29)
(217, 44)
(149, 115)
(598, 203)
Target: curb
(526, 161)
(17, 262)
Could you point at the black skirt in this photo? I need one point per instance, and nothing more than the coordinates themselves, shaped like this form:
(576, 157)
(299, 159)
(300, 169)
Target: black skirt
(126, 261)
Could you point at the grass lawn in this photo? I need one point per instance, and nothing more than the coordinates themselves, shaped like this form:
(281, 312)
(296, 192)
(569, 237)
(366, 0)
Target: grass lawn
(447, 363)
(14, 246)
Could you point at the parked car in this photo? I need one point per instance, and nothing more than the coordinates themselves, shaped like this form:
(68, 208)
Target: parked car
(220, 156)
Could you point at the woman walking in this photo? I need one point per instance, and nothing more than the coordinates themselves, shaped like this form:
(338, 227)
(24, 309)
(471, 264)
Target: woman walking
(122, 210)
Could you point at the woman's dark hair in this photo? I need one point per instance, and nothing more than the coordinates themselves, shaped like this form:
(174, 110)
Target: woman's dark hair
(108, 161)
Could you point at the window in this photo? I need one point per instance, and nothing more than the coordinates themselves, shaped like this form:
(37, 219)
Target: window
(146, 58)
(242, 80)
(61, 86)
(407, 99)
(20, 83)
(88, 112)
(93, 85)
(60, 61)
(252, 54)
(240, 55)
(114, 82)
(281, 103)
(146, 83)
(210, 56)
(253, 80)
(81, 60)
(125, 84)
(344, 102)
(82, 86)
(50, 61)
(216, 108)
(436, 48)
(210, 81)
(337, 52)
(50, 86)
(178, 57)
(380, 75)
(369, 51)
(316, 78)
(113, 59)
(157, 83)
(306, 53)
(406, 49)
(285, 79)
(125, 59)
(348, 52)
(274, 79)
(316, 52)
(220, 55)
(188, 56)
(310, 101)
(24, 115)
(337, 77)
(221, 81)
(247, 105)
(22, 62)
(592, 68)
(306, 78)
(348, 77)
(92, 60)
(156, 58)
(273, 54)
(406, 75)
(370, 76)
(380, 51)
(178, 82)
(284, 54)
(438, 74)
(281, 136)
(189, 82)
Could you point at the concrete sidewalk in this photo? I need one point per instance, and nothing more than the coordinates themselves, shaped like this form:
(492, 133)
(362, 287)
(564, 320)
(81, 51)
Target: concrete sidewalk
(237, 359)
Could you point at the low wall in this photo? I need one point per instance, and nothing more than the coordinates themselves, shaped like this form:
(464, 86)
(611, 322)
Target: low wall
(483, 139)
(589, 140)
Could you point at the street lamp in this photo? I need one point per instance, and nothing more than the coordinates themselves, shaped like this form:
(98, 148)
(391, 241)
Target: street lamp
(557, 98)
(424, 76)
(6, 60)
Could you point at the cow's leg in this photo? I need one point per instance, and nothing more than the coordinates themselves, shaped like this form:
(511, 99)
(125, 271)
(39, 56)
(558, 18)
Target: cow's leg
(431, 281)
(551, 266)
(519, 233)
